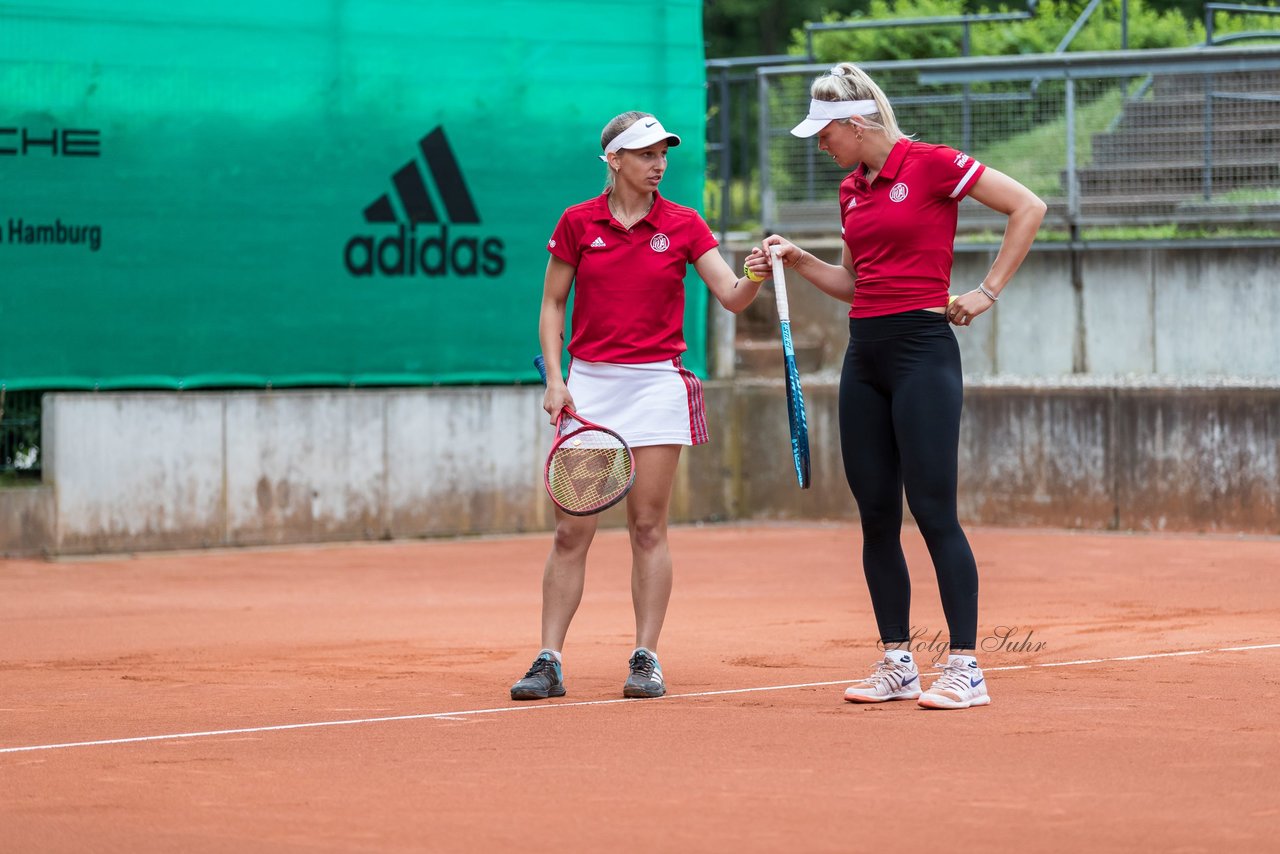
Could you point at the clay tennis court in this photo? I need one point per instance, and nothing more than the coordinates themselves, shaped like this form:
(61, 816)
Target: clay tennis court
(354, 698)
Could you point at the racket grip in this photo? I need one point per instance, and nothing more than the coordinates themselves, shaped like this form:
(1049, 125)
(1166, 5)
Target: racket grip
(541, 364)
(780, 285)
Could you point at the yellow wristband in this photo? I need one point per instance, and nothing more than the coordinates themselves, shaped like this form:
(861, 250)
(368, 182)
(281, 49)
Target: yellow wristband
(746, 271)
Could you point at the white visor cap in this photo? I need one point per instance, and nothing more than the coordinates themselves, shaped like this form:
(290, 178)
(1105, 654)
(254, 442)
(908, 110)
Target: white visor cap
(823, 113)
(643, 133)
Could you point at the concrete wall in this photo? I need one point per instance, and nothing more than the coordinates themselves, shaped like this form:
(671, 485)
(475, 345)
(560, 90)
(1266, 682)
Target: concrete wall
(165, 470)
(1143, 459)
(1166, 314)
(162, 470)
(26, 519)
(1140, 391)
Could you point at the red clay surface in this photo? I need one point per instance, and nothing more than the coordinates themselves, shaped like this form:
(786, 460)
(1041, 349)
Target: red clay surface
(1171, 753)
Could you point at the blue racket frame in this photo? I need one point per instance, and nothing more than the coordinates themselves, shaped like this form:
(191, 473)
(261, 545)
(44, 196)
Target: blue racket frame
(795, 394)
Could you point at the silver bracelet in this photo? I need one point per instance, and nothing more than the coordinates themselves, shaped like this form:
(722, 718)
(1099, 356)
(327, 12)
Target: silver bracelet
(986, 293)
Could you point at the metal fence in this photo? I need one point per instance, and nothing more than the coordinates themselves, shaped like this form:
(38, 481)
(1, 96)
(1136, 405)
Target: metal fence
(1186, 137)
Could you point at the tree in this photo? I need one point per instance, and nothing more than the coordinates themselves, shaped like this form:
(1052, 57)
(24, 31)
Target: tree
(763, 27)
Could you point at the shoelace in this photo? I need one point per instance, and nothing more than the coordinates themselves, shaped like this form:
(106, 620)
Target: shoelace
(954, 678)
(641, 664)
(539, 665)
(885, 674)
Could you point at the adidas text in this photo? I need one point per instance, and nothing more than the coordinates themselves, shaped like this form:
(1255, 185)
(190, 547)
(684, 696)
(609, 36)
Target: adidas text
(405, 254)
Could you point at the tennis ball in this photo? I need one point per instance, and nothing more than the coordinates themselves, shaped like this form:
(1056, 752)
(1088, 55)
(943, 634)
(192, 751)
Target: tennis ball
(951, 299)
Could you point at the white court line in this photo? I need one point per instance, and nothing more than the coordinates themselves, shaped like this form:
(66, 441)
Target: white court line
(458, 715)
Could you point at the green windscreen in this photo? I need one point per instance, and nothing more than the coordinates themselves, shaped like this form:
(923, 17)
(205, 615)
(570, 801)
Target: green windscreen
(312, 193)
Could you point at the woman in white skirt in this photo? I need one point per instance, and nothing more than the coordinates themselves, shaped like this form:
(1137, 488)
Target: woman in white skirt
(625, 253)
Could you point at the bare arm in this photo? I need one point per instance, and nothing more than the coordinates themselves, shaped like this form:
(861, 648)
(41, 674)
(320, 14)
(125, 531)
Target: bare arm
(1025, 210)
(555, 296)
(836, 280)
(734, 292)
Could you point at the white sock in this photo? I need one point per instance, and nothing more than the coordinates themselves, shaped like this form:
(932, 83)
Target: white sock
(900, 656)
(554, 655)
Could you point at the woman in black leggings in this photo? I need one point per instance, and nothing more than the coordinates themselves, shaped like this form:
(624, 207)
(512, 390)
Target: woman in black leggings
(901, 386)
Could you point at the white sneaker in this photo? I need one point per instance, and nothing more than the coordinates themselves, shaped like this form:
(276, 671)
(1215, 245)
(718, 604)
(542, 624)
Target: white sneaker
(895, 678)
(960, 686)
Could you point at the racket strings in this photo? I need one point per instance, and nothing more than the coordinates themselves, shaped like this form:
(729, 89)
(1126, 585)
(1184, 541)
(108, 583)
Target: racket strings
(589, 471)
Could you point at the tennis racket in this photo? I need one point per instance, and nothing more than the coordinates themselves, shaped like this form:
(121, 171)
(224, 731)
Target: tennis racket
(795, 395)
(590, 468)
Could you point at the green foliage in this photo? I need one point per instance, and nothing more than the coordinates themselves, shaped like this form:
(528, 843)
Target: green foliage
(1151, 25)
(1039, 155)
(1042, 33)
(1016, 127)
(758, 27)
(1226, 23)
(1252, 195)
(744, 196)
(1192, 10)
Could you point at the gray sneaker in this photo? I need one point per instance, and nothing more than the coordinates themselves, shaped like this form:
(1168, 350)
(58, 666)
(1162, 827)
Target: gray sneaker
(646, 676)
(544, 679)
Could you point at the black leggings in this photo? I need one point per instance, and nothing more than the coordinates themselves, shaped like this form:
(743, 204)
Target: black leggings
(900, 396)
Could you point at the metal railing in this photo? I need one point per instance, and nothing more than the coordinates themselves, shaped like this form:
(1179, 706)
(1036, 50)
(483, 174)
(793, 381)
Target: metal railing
(1228, 189)
(731, 104)
(963, 21)
(1210, 18)
(1198, 146)
(730, 149)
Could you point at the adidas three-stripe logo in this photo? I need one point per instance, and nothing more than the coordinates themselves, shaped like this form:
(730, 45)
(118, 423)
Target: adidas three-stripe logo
(421, 243)
(412, 189)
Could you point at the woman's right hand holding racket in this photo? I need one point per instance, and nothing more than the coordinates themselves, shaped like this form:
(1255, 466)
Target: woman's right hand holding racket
(782, 248)
(590, 468)
(556, 398)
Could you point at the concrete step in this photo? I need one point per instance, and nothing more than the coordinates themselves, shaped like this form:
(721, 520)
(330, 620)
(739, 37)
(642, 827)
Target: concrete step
(1241, 142)
(1165, 85)
(1188, 112)
(820, 217)
(1176, 178)
(1131, 209)
(974, 217)
(762, 357)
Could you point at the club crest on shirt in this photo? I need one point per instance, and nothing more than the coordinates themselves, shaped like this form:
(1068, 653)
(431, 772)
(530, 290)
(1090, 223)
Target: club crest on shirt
(962, 159)
(659, 242)
(898, 192)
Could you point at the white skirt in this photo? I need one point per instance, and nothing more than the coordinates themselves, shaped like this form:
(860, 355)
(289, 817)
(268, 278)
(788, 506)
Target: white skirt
(653, 403)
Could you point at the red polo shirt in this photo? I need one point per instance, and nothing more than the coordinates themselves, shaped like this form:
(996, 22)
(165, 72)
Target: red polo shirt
(901, 228)
(628, 301)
